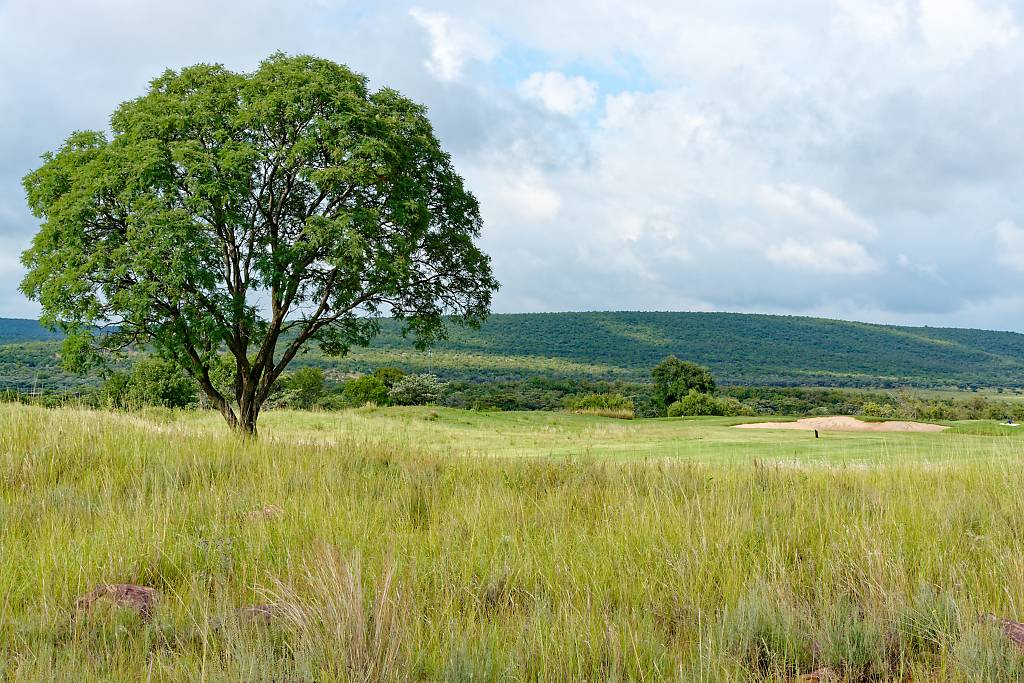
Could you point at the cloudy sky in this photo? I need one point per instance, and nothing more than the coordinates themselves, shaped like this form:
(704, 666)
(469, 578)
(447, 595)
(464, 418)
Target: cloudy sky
(857, 159)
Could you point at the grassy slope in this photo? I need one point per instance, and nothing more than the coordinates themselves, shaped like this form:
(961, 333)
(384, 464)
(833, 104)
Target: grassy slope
(401, 562)
(741, 349)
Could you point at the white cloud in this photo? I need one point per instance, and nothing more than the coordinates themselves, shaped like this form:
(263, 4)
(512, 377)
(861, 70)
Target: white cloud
(841, 144)
(960, 28)
(815, 208)
(829, 256)
(527, 196)
(562, 94)
(1010, 244)
(452, 43)
(873, 21)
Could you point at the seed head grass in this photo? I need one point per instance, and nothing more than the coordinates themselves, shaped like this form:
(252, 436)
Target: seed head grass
(441, 545)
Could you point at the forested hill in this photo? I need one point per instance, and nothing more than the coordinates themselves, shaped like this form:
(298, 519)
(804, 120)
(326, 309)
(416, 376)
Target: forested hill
(740, 349)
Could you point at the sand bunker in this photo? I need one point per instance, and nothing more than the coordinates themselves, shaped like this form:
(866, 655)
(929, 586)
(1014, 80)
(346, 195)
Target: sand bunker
(844, 423)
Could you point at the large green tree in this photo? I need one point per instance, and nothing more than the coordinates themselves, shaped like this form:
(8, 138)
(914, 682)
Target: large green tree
(253, 214)
(674, 379)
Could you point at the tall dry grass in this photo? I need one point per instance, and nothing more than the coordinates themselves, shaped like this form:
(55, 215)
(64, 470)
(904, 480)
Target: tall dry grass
(378, 560)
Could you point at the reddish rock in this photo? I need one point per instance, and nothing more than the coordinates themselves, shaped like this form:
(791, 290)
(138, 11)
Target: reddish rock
(1014, 630)
(141, 599)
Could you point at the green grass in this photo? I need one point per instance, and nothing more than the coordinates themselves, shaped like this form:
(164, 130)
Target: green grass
(440, 545)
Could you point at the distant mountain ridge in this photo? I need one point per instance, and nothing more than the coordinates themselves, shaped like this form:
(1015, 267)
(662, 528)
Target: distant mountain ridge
(21, 329)
(740, 349)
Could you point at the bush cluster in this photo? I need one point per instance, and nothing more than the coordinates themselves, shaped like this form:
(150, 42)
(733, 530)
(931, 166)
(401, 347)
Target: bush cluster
(150, 381)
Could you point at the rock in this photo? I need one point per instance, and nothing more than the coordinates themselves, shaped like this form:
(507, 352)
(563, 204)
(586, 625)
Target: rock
(822, 675)
(1014, 630)
(141, 599)
(258, 614)
(266, 512)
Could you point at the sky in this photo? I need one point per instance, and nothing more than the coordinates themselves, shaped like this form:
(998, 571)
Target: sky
(854, 159)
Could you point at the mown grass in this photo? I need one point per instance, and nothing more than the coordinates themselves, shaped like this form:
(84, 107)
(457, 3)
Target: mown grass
(395, 552)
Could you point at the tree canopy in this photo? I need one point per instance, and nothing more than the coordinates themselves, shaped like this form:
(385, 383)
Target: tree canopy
(253, 214)
(674, 379)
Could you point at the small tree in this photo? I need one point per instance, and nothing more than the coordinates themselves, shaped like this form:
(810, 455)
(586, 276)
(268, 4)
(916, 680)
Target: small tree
(306, 386)
(366, 389)
(253, 214)
(417, 390)
(674, 379)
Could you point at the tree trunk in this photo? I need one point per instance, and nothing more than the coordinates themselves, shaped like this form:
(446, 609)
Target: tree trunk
(244, 422)
(248, 412)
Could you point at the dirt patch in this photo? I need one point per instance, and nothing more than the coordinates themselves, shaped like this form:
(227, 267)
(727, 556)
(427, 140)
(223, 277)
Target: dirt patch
(845, 423)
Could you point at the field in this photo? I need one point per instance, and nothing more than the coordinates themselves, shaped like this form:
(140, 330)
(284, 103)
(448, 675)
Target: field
(443, 545)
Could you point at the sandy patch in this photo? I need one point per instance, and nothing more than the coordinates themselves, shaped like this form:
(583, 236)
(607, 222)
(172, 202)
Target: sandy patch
(844, 423)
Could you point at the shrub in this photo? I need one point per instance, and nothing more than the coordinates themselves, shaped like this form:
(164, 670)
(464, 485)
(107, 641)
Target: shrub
(301, 389)
(872, 409)
(695, 403)
(416, 390)
(853, 645)
(767, 637)
(366, 389)
(389, 376)
(306, 386)
(606, 405)
(114, 392)
(731, 407)
(152, 382)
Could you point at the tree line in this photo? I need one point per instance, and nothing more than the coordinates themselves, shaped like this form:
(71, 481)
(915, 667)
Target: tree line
(677, 388)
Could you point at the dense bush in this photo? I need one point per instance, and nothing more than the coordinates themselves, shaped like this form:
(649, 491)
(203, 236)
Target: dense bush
(366, 389)
(416, 390)
(151, 382)
(307, 386)
(389, 376)
(693, 404)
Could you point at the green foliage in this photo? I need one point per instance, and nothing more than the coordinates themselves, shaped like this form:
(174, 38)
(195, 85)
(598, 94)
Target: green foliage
(600, 401)
(366, 389)
(223, 372)
(416, 390)
(872, 409)
(152, 381)
(305, 386)
(114, 391)
(674, 379)
(695, 403)
(984, 654)
(389, 376)
(295, 181)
